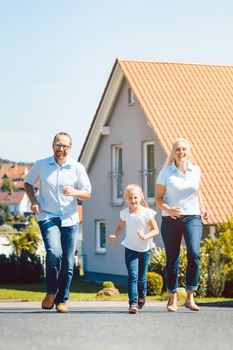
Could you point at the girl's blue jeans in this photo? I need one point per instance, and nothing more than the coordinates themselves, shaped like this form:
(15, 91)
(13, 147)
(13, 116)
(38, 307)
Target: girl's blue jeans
(60, 244)
(137, 265)
(172, 230)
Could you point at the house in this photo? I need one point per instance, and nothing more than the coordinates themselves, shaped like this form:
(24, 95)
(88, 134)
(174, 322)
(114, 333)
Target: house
(16, 173)
(17, 202)
(145, 107)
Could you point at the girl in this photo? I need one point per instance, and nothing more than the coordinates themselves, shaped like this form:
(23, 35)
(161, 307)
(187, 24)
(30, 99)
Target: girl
(138, 242)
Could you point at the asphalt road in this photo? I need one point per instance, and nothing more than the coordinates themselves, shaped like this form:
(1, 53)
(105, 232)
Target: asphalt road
(107, 325)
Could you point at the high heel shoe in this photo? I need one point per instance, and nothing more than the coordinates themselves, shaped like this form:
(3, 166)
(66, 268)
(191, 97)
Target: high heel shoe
(191, 305)
(172, 307)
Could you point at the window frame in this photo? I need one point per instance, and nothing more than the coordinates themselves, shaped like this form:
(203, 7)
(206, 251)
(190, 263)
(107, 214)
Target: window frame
(98, 248)
(146, 171)
(116, 175)
(131, 97)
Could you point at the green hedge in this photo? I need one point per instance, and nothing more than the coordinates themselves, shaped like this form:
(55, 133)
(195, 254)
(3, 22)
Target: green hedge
(26, 268)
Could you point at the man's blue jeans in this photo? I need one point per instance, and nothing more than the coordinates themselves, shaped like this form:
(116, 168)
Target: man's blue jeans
(172, 230)
(60, 244)
(137, 265)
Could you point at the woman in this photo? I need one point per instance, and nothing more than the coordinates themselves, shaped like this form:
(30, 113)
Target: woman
(178, 195)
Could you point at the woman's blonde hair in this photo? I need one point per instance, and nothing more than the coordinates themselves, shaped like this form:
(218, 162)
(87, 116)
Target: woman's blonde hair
(171, 157)
(133, 187)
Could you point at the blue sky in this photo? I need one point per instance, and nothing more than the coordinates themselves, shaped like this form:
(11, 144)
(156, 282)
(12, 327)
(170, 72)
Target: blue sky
(56, 57)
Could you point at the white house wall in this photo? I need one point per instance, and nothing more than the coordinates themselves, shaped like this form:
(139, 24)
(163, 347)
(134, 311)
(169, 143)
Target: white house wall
(128, 127)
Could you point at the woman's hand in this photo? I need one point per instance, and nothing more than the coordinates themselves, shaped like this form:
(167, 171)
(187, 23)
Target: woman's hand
(174, 212)
(205, 215)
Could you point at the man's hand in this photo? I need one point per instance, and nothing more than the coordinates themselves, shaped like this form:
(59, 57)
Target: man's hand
(35, 207)
(70, 191)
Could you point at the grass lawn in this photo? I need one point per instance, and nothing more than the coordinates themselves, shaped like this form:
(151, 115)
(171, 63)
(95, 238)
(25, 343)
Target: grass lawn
(80, 290)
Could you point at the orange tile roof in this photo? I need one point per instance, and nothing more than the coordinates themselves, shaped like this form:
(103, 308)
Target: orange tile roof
(16, 173)
(194, 101)
(11, 197)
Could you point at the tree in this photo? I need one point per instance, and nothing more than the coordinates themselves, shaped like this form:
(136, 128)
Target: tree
(7, 185)
(5, 214)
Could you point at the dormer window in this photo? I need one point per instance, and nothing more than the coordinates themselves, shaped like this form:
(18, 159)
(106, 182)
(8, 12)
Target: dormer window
(131, 99)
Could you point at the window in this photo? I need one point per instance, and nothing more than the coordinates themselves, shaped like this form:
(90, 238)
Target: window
(131, 100)
(100, 236)
(148, 172)
(116, 175)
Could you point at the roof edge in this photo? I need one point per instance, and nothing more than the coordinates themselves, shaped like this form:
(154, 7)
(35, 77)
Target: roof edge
(174, 62)
(101, 115)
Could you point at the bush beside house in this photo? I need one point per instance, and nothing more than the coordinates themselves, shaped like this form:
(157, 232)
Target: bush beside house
(216, 263)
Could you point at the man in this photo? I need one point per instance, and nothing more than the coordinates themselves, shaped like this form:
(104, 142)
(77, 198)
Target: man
(62, 181)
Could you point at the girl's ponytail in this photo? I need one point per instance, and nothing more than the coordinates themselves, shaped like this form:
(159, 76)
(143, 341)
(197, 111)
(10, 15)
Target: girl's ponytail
(143, 202)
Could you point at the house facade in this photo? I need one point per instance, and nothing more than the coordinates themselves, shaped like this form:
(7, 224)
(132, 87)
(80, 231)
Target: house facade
(17, 202)
(144, 108)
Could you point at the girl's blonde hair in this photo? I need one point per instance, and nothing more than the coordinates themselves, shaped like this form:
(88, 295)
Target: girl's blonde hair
(133, 187)
(171, 158)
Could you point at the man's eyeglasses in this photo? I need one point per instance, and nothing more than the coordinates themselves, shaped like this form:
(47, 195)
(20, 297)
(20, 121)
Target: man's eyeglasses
(59, 145)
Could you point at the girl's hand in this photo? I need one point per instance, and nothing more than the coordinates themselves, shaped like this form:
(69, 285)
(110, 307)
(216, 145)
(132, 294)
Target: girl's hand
(111, 238)
(141, 235)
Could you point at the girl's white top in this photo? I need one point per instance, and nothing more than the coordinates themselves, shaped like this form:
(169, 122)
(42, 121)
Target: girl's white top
(137, 222)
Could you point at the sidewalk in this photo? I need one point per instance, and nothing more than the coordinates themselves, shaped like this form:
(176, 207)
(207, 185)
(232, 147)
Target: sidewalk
(102, 303)
(74, 304)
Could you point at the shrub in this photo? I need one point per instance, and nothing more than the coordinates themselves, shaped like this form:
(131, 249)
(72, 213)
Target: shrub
(108, 284)
(216, 273)
(154, 283)
(26, 241)
(203, 276)
(225, 242)
(228, 289)
(158, 264)
(20, 269)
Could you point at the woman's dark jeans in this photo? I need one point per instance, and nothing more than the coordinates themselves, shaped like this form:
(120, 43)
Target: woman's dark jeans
(172, 230)
(137, 265)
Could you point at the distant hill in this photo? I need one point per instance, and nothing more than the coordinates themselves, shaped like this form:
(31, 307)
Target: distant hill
(4, 161)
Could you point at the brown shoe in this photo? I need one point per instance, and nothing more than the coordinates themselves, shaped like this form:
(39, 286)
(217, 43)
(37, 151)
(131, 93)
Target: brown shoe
(61, 308)
(191, 305)
(133, 309)
(48, 301)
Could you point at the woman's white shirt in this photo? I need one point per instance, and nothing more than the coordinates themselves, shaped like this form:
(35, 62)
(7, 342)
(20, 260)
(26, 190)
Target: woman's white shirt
(181, 189)
(137, 222)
